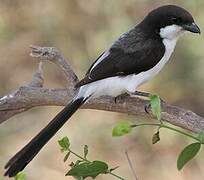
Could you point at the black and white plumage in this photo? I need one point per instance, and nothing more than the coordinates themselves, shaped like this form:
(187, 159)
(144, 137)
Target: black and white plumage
(136, 57)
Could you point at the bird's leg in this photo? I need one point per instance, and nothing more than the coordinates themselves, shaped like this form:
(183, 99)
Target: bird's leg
(147, 108)
(137, 93)
(140, 93)
(143, 94)
(146, 94)
(121, 97)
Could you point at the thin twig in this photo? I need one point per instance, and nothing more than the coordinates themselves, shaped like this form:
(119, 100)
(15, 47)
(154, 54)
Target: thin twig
(167, 127)
(131, 166)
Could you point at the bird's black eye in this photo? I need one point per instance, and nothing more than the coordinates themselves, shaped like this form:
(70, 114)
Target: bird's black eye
(175, 20)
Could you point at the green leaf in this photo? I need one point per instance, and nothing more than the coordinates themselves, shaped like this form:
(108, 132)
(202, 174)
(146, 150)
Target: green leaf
(88, 169)
(86, 150)
(78, 162)
(20, 176)
(64, 144)
(187, 154)
(121, 129)
(66, 156)
(155, 138)
(79, 178)
(155, 106)
(201, 136)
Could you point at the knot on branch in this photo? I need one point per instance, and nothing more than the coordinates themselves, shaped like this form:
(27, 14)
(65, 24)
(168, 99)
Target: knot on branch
(53, 54)
(44, 53)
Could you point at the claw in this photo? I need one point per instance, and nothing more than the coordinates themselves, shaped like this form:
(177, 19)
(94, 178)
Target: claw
(162, 101)
(147, 107)
(120, 97)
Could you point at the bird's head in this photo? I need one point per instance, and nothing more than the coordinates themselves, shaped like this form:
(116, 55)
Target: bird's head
(170, 22)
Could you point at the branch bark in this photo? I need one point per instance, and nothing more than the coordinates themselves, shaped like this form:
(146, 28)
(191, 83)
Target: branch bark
(34, 94)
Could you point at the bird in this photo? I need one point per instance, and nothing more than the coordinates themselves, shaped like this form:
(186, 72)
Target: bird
(133, 59)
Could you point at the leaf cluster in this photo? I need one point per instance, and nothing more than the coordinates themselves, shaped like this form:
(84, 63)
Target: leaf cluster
(84, 168)
(188, 153)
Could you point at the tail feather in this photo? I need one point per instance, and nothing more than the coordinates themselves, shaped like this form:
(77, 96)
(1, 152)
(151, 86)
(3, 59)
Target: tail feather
(25, 155)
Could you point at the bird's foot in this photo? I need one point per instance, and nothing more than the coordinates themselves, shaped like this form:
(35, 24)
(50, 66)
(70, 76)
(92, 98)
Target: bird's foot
(121, 97)
(147, 107)
(162, 101)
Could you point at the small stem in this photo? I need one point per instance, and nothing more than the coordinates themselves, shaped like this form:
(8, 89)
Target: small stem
(167, 127)
(116, 176)
(79, 156)
(90, 161)
(131, 166)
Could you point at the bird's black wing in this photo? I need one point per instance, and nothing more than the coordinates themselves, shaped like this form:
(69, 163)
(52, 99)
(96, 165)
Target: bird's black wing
(122, 61)
(94, 63)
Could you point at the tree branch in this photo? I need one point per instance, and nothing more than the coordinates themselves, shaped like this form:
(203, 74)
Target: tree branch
(34, 94)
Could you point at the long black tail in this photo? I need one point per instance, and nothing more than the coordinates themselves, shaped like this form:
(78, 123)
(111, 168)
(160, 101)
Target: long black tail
(18, 162)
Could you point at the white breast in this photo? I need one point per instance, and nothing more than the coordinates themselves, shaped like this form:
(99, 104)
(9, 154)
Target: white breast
(115, 86)
(147, 75)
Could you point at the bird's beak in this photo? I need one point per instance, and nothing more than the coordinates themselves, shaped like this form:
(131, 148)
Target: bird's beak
(192, 27)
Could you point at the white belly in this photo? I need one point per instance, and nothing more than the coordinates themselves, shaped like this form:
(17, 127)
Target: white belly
(115, 86)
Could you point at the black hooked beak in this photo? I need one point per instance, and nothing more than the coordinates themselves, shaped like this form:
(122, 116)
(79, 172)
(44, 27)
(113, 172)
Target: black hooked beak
(192, 27)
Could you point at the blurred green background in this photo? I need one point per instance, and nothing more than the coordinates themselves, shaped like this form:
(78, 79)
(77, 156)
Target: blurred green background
(82, 29)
